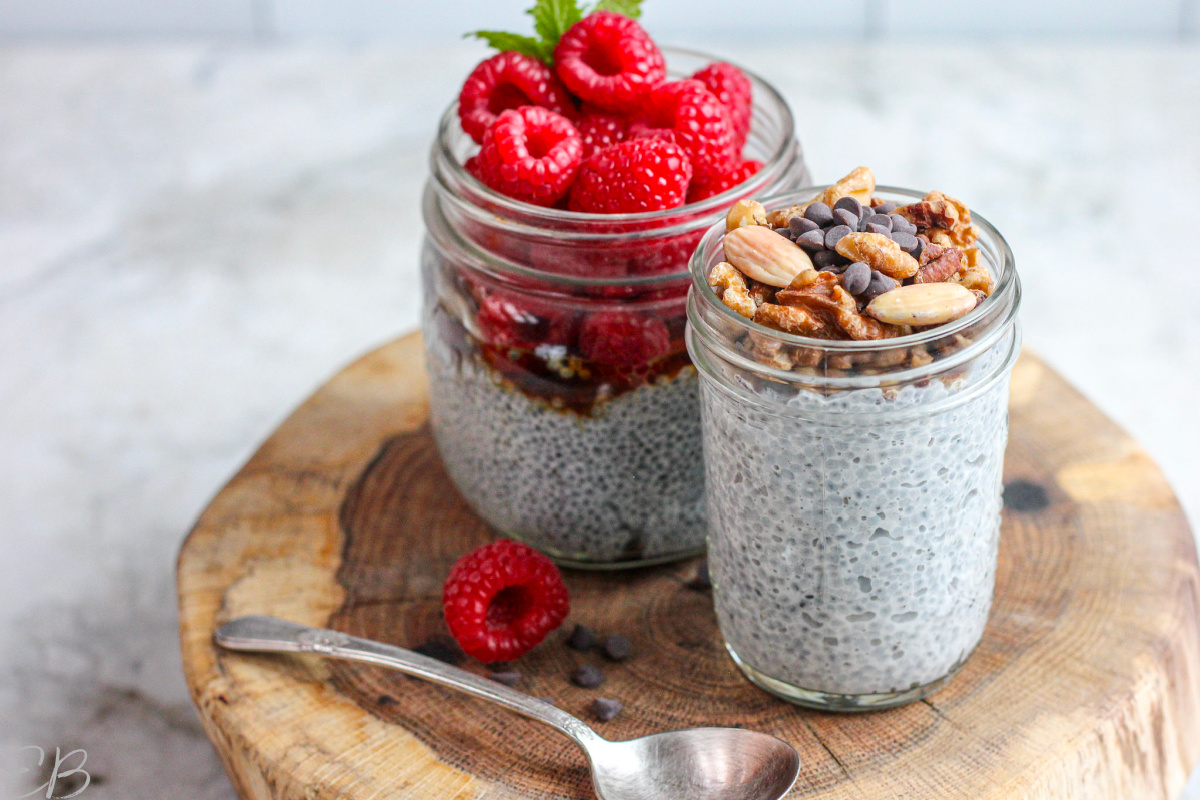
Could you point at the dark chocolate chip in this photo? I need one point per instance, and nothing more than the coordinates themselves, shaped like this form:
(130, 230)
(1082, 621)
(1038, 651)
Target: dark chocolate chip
(844, 217)
(835, 235)
(856, 278)
(826, 258)
(618, 648)
(508, 677)
(799, 225)
(850, 204)
(863, 223)
(880, 219)
(785, 233)
(884, 208)
(812, 241)
(920, 249)
(605, 709)
(703, 580)
(443, 649)
(908, 243)
(899, 223)
(581, 638)
(880, 229)
(879, 284)
(819, 213)
(587, 677)
(1025, 496)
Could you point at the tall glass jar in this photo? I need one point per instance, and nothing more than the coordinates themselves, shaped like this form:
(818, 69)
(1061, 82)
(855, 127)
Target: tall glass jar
(563, 400)
(854, 490)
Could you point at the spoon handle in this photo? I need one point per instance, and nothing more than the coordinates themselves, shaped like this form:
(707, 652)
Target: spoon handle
(260, 634)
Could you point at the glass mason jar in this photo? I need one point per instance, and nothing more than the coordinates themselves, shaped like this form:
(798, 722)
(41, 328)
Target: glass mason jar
(562, 397)
(854, 490)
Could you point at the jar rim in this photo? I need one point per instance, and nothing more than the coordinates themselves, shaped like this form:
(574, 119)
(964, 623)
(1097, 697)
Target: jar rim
(444, 154)
(1007, 290)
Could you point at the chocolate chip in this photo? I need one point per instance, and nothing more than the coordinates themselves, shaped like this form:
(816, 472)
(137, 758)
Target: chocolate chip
(703, 580)
(1025, 496)
(850, 204)
(587, 677)
(581, 638)
(824, 259)
(862, 223)
(899, 223)
(884, 208)
(856, 278)
(812, 241)
(880, 229)
(879, 284)
(819, 213)
(443, 649)
(880, 219)
(799, 225)
(618, 648)
(835, 235)
(785, 233)
(844, 217)
(605, 709)
(920, 249)
(508, 677)
(908, 243)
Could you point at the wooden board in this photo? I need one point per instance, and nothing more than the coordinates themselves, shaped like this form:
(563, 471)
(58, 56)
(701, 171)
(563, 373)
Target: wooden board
(1086, 685)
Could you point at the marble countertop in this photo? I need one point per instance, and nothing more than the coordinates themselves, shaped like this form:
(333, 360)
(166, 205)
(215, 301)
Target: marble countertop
(193, 237)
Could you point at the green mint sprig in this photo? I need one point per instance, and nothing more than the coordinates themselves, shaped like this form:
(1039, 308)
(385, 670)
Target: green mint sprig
(551, 19)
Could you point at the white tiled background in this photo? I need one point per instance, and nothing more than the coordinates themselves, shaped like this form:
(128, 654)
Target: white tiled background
(673, 19)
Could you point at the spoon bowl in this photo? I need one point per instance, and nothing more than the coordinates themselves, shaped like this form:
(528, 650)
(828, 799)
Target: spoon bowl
(696, 764)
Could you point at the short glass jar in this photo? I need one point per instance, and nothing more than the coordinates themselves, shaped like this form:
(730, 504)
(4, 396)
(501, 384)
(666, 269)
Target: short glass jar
(563, 400)
(854, 490)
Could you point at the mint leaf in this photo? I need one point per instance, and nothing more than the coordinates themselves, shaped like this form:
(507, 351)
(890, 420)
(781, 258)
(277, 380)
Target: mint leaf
(503, 41)
(552, 18)
(630, 8)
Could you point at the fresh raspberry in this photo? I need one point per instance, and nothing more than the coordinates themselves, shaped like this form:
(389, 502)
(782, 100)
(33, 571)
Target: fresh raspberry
(724, 182)
(639, 175)
(608, 60)
(599, 128)
(508, 320)
(623, 338)
(504, 81)
(502, 599)
(701, 124)
(731, 86)
(471, 165)
(531, 154)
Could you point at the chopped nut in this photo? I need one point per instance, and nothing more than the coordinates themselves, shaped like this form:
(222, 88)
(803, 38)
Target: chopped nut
(762, 254)
(791, 319)
(745, 212)
(730, 286)
(769, 351)
(819, 283)
(859, 184)
(922, 304)
(780, 217)
(878, 252)
(975, 276)
(760, 292)
(938, 263)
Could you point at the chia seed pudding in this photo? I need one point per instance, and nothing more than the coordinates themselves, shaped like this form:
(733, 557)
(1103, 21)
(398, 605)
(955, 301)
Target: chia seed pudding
(854, 483)
(562, 397)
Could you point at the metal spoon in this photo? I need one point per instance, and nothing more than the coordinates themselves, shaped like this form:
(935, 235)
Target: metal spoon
(699, 763)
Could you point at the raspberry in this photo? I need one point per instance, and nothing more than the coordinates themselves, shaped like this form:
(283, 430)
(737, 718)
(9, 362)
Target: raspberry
(530, 154)
(724, 182)
(599, 128)
(700, 122)
(623, 338)
(504, 81)
(731, 86)
(511, 321)
(502, 599)
(608, 60)
(639, 175)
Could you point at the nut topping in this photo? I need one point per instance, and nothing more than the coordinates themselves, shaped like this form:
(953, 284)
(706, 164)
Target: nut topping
(922, 304)
(878, 252)
(730, 286)
(760, 253)
(745, 212)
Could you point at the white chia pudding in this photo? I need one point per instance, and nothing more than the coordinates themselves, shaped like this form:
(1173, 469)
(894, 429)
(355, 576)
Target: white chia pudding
(620, 483)
(855, 557)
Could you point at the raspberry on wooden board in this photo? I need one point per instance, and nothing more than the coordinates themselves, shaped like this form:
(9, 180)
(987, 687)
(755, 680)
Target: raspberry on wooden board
(502, 599)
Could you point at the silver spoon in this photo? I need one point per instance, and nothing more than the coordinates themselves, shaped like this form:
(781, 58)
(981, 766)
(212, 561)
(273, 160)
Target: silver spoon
(698, 763)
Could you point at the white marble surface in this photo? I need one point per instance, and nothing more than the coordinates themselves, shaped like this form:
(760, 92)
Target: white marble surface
(193, 237)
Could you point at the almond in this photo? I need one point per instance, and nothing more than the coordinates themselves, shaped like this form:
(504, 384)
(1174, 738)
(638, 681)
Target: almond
(922, 304)
(764, 255)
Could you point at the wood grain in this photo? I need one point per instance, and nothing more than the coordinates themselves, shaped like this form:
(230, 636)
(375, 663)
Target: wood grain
(1086, 684)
